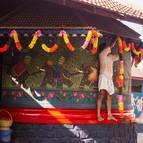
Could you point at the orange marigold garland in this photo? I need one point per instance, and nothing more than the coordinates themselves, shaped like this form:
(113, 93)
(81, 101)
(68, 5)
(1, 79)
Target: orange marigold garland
(35, 38)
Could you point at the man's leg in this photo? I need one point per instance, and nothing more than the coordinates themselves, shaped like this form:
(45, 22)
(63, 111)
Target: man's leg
(110, 116)
(102, 93)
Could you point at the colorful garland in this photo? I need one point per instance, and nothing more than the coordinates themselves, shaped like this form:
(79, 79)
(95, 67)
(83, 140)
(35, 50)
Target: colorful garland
(5, 47)
(120, 77)
(95, 46)
(120, 105)
(50, 50)
(14, 35)
(35, 38)
(88, 38)
(67, 42)
(120, 45)
(137, 53)
(126, 47)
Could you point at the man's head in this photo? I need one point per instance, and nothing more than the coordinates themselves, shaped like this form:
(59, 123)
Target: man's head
(102, 47)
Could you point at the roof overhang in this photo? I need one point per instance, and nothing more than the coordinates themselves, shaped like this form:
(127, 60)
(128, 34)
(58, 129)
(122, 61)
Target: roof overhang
(95, 9)
(84, 18)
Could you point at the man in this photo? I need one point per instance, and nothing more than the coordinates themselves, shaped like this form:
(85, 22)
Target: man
(105, 83)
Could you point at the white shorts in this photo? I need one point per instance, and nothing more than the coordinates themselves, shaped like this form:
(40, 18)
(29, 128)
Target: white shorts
(106, 83)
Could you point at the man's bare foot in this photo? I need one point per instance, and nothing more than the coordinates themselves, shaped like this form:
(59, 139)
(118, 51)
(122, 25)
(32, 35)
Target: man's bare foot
(99, 118)
(111, 118)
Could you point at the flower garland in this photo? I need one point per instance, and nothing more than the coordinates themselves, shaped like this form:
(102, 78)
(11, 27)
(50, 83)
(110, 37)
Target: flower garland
(120, 105)
(35, 38)
(120, 77)
(96, 40)
(126, 47)
(14, 35)
(88, 38)
(120, 45)
(67, 42)
(137, 53)
(50, 50)
(5, 47)
(90, 33)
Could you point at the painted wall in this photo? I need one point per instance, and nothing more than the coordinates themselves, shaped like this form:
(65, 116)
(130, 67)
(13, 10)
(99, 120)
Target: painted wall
(35, 78)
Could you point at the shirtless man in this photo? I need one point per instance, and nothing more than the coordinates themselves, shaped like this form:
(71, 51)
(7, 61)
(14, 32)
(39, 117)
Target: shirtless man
(105, 83)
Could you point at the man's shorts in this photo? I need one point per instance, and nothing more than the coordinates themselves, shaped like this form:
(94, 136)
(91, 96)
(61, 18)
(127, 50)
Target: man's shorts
(106, 84)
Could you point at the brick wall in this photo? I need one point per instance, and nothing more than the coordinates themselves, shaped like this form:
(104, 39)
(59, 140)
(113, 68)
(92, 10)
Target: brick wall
(44, 133)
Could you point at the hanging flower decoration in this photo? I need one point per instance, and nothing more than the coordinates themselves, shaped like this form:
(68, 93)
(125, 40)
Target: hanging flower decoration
(87, 40)
(50, 50)
(120, 77)
(67, 42)
(134, 49)
(120, 105)
(5, 47)
(14, 35)
(126, 47)
(96, 40)
(120, 46)
(35, 38)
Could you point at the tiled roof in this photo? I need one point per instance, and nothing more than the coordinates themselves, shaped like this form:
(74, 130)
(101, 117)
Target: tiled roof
(49, 15)
(41, 14)
(114, 6)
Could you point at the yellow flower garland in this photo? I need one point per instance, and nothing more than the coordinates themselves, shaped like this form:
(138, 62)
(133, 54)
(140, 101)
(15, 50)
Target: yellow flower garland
(35, 38)
(50, 50)
(67, 42)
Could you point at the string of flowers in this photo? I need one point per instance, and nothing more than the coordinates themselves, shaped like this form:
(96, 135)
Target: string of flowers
(15, 37)
(67, 42)
(5, 47)
(137, 53)
(87, 40)
(120, 77)
(96, 40)
(120, 105)
(126, 47)
(36, 35)
(50, 50)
